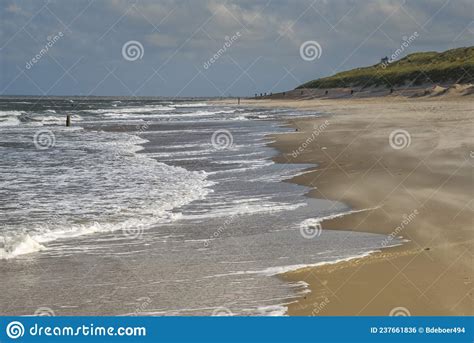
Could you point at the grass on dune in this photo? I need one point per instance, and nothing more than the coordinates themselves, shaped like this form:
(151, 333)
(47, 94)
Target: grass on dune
(456, 65)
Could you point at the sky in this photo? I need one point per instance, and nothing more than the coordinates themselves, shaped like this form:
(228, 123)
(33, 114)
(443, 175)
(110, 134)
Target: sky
(187, 48)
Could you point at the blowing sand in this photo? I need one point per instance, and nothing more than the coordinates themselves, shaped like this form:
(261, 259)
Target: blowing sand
(420, 184)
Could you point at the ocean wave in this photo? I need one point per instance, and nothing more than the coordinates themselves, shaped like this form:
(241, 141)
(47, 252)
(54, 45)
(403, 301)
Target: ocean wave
(312, 222)
(197, 113)
(285, 269)
(11, 113)
(14, 246)
(10, 118)
(272, 310)
(244, 207)
(9, 121)
(126, 110)
(145, 191)
(197, 104)
(272, 271)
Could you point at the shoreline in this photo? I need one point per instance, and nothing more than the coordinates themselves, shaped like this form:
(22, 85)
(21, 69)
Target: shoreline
(424, 185)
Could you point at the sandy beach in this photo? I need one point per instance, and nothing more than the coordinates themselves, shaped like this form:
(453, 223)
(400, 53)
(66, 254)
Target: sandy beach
(415, 184)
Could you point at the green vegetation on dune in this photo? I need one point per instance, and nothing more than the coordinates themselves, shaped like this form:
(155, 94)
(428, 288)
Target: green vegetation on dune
(456, 65)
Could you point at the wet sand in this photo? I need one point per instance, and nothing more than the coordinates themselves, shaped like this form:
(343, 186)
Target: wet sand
(419, 188)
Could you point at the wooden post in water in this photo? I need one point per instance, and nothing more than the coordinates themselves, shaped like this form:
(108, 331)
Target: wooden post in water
(238, 100)
(68, 120)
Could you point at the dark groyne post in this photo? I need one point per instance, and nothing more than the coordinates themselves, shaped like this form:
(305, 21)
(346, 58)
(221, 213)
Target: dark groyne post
(68, 116)
(238, 100)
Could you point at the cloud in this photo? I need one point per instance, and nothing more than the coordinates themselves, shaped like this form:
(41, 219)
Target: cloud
(180, 36)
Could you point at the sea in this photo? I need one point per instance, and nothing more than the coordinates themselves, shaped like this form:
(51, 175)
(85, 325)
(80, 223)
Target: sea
(155, 206)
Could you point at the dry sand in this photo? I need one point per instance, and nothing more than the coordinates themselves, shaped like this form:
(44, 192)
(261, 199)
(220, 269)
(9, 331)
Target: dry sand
(422, 192)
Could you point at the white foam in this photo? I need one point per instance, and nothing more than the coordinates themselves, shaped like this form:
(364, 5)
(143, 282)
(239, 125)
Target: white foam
(10, 118)
(284, 269)
(11, 247)
(198, 104)
(272, 310)
(195, 114)
(145, 191)
(128, 110)
(10, 113)
(247, 208)
(302, 286)
(272, 271)
(311, 222)
(9, 121)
